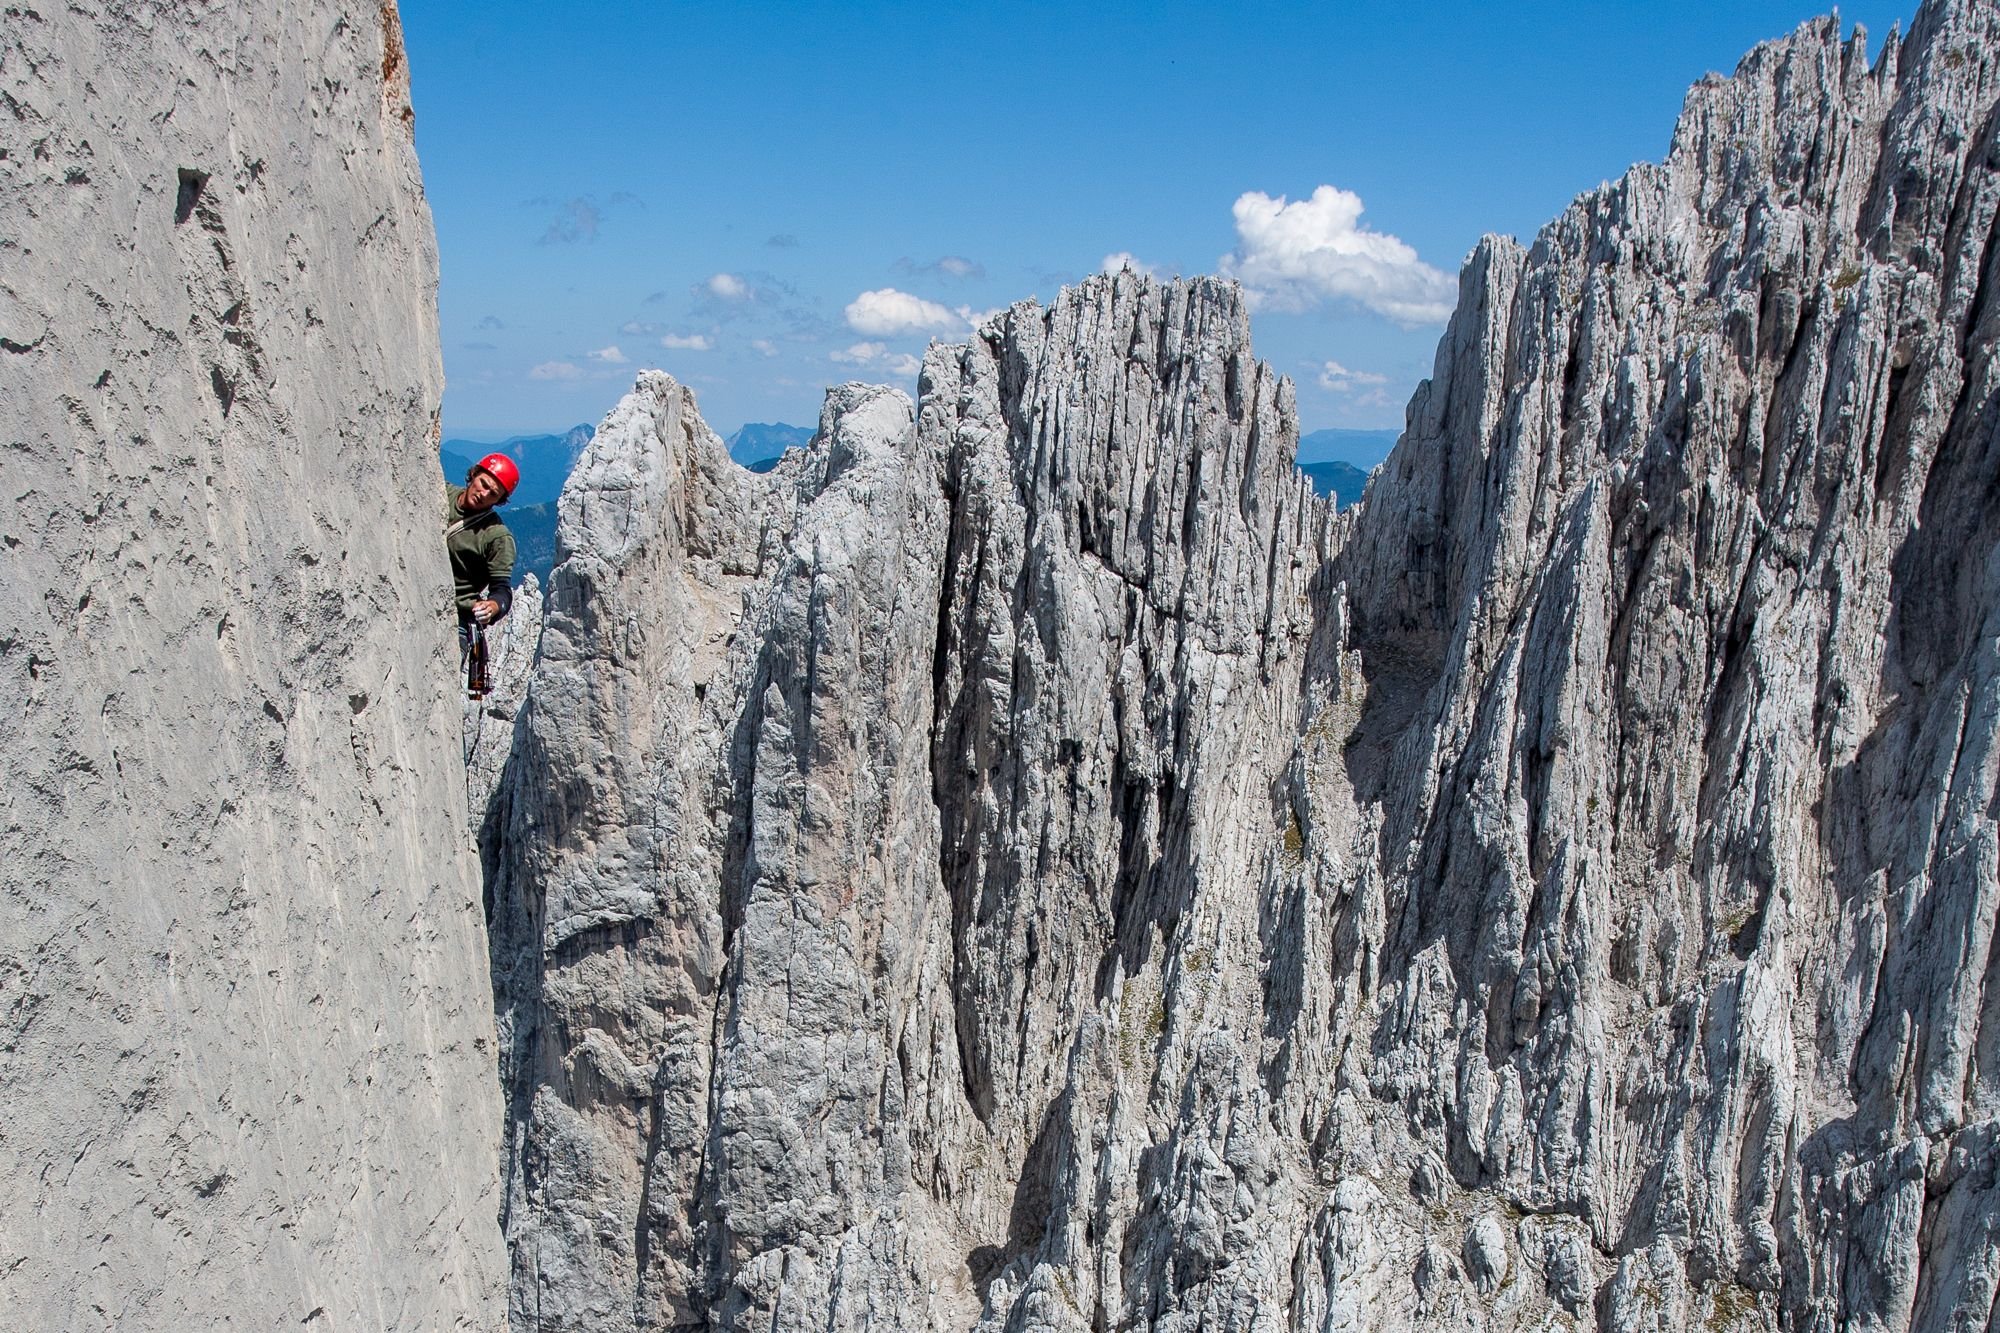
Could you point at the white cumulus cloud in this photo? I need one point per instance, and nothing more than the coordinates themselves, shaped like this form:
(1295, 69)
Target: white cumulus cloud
(1292, 256)
(611, 356)
(765, 345)
(878, 356)
(889, 313)
(727, 287)
(556, 370)
(1333, 375)
(692, 342)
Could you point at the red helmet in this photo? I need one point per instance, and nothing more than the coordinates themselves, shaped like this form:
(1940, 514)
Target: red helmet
(501, 468)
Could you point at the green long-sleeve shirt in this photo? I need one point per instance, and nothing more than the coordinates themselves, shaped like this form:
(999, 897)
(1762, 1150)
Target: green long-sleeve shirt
(482, 555)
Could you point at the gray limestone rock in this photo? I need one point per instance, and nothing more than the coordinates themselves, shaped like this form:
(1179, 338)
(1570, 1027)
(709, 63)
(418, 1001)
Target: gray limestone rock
(245, 1048)
(487, 725)
(1559, 1250)
(1486, 1253)
(1436, 1274)
(1027, 862)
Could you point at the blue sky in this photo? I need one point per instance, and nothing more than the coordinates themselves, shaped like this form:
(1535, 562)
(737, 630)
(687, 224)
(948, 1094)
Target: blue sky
(767, 199)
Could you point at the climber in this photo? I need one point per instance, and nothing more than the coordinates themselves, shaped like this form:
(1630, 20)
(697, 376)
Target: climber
(481, 548)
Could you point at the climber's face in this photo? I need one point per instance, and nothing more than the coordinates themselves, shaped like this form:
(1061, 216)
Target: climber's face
(481, 491)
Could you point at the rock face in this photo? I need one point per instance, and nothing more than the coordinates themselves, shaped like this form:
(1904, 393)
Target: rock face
(487, 725)
(1027, 863)
(245, 1047)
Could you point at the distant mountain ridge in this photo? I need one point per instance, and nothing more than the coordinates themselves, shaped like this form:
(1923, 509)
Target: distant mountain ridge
(534, 529)
(756, 441)
(1342, 480)
(1363, 448)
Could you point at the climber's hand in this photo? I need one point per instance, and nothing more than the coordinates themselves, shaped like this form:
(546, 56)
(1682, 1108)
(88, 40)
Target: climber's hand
(483, 612)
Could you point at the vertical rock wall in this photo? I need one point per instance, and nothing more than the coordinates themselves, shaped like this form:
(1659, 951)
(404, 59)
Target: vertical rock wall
(245, 1041)
(1026, 863)
(1676, 603)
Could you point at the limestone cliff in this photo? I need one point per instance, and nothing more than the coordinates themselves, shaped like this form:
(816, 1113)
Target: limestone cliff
(487, 725)
(245, 1041)
(1027, 863)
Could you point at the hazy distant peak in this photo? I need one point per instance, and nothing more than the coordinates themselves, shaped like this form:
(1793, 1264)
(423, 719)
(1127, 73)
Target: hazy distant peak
(757, 440)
